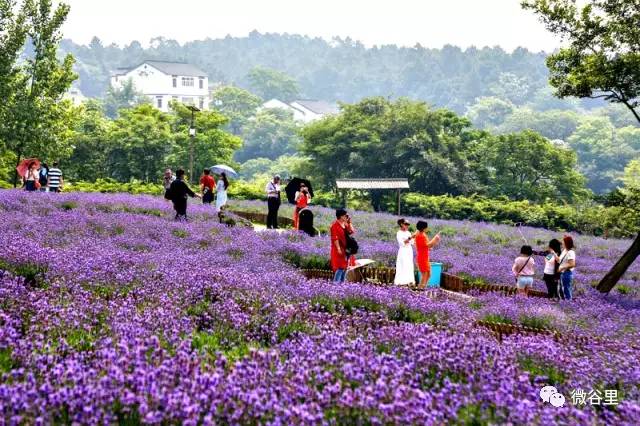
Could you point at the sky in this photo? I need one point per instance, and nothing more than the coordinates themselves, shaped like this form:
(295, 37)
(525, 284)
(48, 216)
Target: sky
(432, 23)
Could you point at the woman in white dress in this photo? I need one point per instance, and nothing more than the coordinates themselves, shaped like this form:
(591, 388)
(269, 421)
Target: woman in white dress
(221, 191)
(404, 263)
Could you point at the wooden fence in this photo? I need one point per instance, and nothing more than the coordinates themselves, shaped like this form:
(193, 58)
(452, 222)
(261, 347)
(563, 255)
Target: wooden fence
(502, 329)
(385, 276)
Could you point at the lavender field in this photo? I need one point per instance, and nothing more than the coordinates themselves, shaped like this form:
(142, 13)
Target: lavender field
(111, 313)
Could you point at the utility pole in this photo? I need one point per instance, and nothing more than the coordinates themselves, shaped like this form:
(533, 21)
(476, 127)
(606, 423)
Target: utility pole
(192, 136)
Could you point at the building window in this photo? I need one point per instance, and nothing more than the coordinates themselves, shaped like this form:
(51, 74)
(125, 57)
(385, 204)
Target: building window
(175, 80)
(159, 101)
(187, 101)
(187, 81)
(201, 103)
(201, 83)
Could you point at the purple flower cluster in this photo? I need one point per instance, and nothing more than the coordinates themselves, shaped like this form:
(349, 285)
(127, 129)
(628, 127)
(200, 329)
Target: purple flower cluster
(110, 312)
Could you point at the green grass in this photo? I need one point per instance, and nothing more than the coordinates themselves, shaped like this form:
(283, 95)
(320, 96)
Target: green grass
(476, 415)
(7, 363)
(68, 205)
(180, 233)
(537, 367)
(294, 328)
(497, 318)
(536, 322)
(32, 273)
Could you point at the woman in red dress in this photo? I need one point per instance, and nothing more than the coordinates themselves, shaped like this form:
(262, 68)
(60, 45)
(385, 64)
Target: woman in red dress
(423, 244)
(339, 261)
(303, 198)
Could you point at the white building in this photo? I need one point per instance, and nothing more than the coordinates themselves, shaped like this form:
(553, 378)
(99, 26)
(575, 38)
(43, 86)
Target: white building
(167, 81)
(303, 109)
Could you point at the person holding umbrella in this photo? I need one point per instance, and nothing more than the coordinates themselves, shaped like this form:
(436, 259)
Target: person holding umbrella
(221, 190)
(32, 176)
(302, 198)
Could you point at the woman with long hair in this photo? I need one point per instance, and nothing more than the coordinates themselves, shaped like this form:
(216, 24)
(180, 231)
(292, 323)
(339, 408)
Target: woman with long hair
(567, 264)
(303, 198)
(405, 274)
(551, 276)
(221, 191)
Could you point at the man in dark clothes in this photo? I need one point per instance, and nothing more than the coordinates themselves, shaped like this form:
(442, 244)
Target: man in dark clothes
(178, 193)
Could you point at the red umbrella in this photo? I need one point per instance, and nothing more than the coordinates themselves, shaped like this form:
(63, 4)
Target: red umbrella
(24, 166)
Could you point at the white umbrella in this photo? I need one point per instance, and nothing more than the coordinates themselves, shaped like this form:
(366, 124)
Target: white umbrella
(220, 168)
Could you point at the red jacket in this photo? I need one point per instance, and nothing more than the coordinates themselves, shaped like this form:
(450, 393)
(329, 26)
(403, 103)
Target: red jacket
(339, 261)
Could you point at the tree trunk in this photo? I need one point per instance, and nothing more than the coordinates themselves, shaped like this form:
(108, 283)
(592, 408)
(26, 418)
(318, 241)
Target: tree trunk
(615, 273)
(15, 172)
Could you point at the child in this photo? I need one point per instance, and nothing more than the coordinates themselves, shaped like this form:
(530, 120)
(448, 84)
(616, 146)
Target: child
(524, 269)
(423, 244)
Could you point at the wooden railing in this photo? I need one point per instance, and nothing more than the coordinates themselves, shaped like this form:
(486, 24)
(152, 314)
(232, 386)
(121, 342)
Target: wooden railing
(503, 329)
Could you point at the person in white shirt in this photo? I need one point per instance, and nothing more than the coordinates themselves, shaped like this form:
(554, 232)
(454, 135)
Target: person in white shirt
(273, 202)
(567, 264)
(405, 274)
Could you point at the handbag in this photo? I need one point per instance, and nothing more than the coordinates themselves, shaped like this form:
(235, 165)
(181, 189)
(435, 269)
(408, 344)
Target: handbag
(520, 270)
(352, 244)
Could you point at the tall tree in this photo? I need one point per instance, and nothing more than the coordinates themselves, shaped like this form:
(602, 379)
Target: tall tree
(526, 166)
(272, 132)
(237, 104)
(269, 84)
(139, 141)
(602, 60)
(39, 123)
(125, 96)
(13, 34)
(211, 144)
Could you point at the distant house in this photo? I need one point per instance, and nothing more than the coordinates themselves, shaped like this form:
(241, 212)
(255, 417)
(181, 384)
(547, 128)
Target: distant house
(164, 81)
(303, 109)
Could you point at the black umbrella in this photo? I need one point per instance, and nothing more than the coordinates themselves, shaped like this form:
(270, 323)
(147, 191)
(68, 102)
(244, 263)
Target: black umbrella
(294, 186)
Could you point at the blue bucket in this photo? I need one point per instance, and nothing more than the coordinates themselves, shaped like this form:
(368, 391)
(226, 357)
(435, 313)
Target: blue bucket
(436, 273)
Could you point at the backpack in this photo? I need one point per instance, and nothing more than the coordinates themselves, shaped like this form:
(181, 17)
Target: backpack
(43, 179)
(352, 244)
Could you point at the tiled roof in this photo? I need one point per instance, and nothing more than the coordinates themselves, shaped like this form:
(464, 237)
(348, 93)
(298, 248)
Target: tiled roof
(372, 183)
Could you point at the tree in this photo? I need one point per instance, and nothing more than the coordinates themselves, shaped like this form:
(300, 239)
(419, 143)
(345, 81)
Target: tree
(527, 166)
(602, 60)
(511, 87)
(237, 104)
(35, 121)
(602, 153)
(126, 96)
(269, 84)
(13, 34)
(91, 145)
(631, 178)
(272, 132)
(489, 112)
(211, 145)
(139, 141)
(553, 124)
(377, 138)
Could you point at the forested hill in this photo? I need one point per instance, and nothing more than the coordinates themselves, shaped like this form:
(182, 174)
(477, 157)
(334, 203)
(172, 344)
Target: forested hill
(339, 70)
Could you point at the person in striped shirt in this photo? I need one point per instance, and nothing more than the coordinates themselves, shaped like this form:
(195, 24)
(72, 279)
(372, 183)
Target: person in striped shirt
(55, 181)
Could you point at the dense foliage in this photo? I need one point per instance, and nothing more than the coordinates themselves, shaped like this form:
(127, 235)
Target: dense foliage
(438, 151)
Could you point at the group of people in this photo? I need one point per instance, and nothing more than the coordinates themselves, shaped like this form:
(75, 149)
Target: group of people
(405, 270)
(559, 266)
(41, 177)
(302, 216)
(178, 191)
